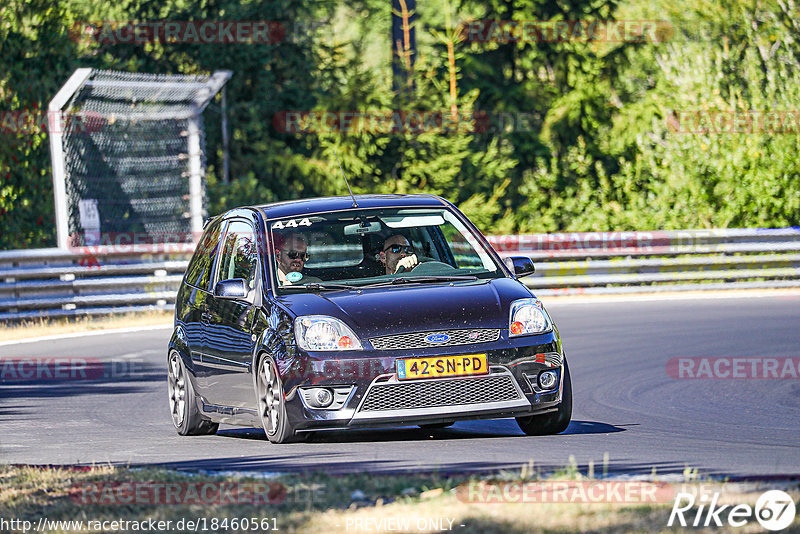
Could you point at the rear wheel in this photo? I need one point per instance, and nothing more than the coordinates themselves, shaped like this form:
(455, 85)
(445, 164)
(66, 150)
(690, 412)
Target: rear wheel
(271, 403)
(182, 402)
(553, 422)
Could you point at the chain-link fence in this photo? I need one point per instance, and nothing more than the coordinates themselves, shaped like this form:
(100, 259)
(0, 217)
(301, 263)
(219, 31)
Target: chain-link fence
(131, 150)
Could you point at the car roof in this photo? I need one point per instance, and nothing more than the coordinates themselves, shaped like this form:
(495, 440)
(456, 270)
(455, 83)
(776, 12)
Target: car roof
(294, 208)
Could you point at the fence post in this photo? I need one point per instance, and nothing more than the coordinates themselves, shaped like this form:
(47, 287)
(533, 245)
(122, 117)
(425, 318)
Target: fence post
(55, 125)
(195, 176)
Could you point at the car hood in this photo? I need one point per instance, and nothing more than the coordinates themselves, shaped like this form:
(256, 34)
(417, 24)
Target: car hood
(414, 308)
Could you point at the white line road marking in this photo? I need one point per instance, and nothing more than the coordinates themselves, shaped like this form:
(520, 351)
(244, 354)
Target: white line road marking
(132, 355)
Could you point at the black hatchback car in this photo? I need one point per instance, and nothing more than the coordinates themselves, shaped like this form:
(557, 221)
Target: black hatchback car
(366, 311)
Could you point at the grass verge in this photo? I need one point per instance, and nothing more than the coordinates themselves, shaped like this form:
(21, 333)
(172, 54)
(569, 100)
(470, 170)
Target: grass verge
(316, 502)
(12, 331)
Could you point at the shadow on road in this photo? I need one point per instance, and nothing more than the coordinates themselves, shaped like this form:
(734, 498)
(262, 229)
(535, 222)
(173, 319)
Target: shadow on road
(593, 427)
(50, 376)
(19, 383)
(483, 429)
(303, 460)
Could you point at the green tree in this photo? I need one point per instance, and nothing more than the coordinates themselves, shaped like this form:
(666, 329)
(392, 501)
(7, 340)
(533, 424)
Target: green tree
(36, 57)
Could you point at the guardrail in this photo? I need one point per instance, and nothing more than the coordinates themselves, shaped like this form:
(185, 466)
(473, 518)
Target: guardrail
(110, 279)
(658, 261)
(90, 280)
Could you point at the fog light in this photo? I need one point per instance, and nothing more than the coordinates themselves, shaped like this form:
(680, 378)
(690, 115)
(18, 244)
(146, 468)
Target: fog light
(331, 397)
(548, 379)
(323, 397)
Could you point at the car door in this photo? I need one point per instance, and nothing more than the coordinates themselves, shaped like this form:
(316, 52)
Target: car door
(229, 334)
(194, 314)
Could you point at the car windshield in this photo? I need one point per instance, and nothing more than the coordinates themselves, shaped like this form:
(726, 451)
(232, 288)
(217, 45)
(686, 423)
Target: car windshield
(375, 247)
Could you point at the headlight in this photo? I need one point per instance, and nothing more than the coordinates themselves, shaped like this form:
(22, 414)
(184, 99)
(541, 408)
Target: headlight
(527, 317)
(320, 332)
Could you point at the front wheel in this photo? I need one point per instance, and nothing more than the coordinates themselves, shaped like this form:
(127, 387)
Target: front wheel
(271, 403)
(182, 402)
(553, 422)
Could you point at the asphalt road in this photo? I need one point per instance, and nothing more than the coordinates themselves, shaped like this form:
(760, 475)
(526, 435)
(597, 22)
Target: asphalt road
(626, 404)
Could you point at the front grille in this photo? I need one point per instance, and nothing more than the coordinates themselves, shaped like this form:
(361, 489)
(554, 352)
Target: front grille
(416, 340)
(443, 392)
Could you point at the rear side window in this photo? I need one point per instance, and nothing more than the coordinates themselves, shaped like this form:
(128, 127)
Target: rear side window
(239, 255)
(198, 273)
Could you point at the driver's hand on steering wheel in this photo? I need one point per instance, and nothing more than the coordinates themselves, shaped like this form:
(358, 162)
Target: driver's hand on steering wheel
(407, 263)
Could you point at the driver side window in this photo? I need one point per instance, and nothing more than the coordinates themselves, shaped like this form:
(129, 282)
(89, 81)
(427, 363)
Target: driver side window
(239, 257)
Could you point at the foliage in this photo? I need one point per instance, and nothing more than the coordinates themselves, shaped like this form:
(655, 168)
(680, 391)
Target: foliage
(32, 42)
(605, 146)
(643, 167)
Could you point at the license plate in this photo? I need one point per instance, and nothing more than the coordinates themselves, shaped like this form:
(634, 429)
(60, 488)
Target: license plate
(440, 366)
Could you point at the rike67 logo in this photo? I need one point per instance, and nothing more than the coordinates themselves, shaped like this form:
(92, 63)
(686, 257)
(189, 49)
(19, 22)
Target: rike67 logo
(774, 510)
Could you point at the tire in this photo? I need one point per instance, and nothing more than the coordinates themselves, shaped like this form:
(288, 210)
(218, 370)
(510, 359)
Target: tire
(272, 404)
(436, 426)
(182, 402)
(553, 422)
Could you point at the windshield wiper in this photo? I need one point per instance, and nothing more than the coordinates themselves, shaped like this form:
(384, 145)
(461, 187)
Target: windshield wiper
(316, 286)
(436, 278)
(421, 279)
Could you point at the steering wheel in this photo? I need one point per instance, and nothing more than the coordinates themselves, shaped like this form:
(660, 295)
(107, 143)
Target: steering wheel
(428, 267)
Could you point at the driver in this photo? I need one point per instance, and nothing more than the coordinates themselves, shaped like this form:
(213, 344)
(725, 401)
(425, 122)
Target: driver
(397, 252)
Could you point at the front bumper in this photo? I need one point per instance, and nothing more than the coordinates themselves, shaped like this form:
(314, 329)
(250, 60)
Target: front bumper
(377, 398)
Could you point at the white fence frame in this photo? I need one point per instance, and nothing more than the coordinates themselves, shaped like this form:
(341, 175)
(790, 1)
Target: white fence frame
(76, 81)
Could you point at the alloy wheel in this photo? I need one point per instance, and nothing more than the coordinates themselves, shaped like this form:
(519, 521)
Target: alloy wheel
(270, 396)
(177, 390)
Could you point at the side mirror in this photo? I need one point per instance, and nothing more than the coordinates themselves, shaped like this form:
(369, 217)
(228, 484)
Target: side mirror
(520, 265)
(235, 288)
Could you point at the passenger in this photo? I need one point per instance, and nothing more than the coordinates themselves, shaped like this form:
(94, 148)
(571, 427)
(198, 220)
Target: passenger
(397, 252)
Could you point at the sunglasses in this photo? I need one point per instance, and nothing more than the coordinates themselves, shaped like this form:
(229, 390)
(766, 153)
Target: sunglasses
(293, 255)
(396, 249)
